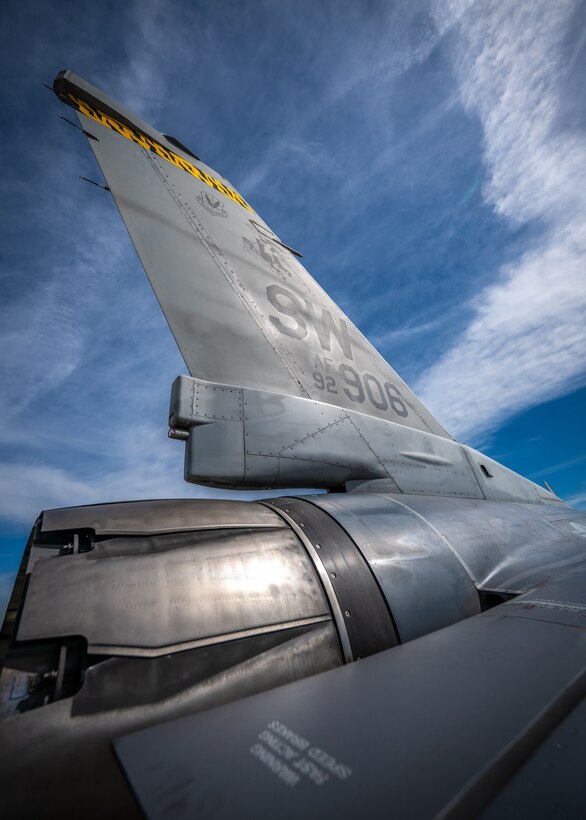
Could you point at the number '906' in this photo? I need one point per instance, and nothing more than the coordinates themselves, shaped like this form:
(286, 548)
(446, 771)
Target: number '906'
(358, 388)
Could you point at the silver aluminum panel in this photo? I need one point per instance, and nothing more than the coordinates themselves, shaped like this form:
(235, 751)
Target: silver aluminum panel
(508, 546)
(424, 583)
(166, 515)
(503, 547)
(173, 591)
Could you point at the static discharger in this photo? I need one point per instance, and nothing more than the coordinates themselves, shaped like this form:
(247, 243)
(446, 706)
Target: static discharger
(97, 184)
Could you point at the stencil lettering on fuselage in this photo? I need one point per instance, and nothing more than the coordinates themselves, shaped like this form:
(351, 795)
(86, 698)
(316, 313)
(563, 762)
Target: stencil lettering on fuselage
(270, 254)
(300, 319)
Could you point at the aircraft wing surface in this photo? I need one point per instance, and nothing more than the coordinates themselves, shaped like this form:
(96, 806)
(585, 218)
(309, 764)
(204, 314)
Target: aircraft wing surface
(484, 718)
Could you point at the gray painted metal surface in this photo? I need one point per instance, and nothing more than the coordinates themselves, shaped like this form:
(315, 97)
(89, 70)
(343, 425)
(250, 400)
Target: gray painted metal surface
(242, 308)
(242, 437)
(552, 783)
(434, 728)
(56, 761)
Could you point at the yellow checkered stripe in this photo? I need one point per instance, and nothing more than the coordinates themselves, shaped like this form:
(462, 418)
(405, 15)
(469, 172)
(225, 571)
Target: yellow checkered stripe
(149, 144)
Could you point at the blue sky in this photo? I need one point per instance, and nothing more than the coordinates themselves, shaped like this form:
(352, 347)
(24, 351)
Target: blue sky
(429, 159)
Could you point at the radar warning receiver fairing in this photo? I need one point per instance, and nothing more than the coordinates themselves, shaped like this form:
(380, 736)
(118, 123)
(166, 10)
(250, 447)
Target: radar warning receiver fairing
(458, 585)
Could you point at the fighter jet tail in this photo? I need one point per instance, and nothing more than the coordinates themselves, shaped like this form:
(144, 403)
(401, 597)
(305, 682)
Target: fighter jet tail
(284, 390)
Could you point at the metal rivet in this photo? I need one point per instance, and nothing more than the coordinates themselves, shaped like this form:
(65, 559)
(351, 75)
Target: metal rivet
(318, 546)
(333, 574)
(347, 613)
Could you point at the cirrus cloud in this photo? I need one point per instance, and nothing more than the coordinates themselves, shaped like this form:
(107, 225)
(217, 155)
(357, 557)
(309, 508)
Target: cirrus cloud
(526, 341)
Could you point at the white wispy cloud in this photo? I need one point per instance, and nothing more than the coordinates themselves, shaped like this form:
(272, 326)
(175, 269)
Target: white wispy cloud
(28, 489)
(80, 319)
(377, 49)
(527, 340)
(556, 468)
(578, 500)
(143, 463)
(45, 330)
(151, 44)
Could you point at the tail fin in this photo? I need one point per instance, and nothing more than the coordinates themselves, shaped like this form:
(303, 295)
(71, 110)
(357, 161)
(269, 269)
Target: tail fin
(242, 308)
(285, 391)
